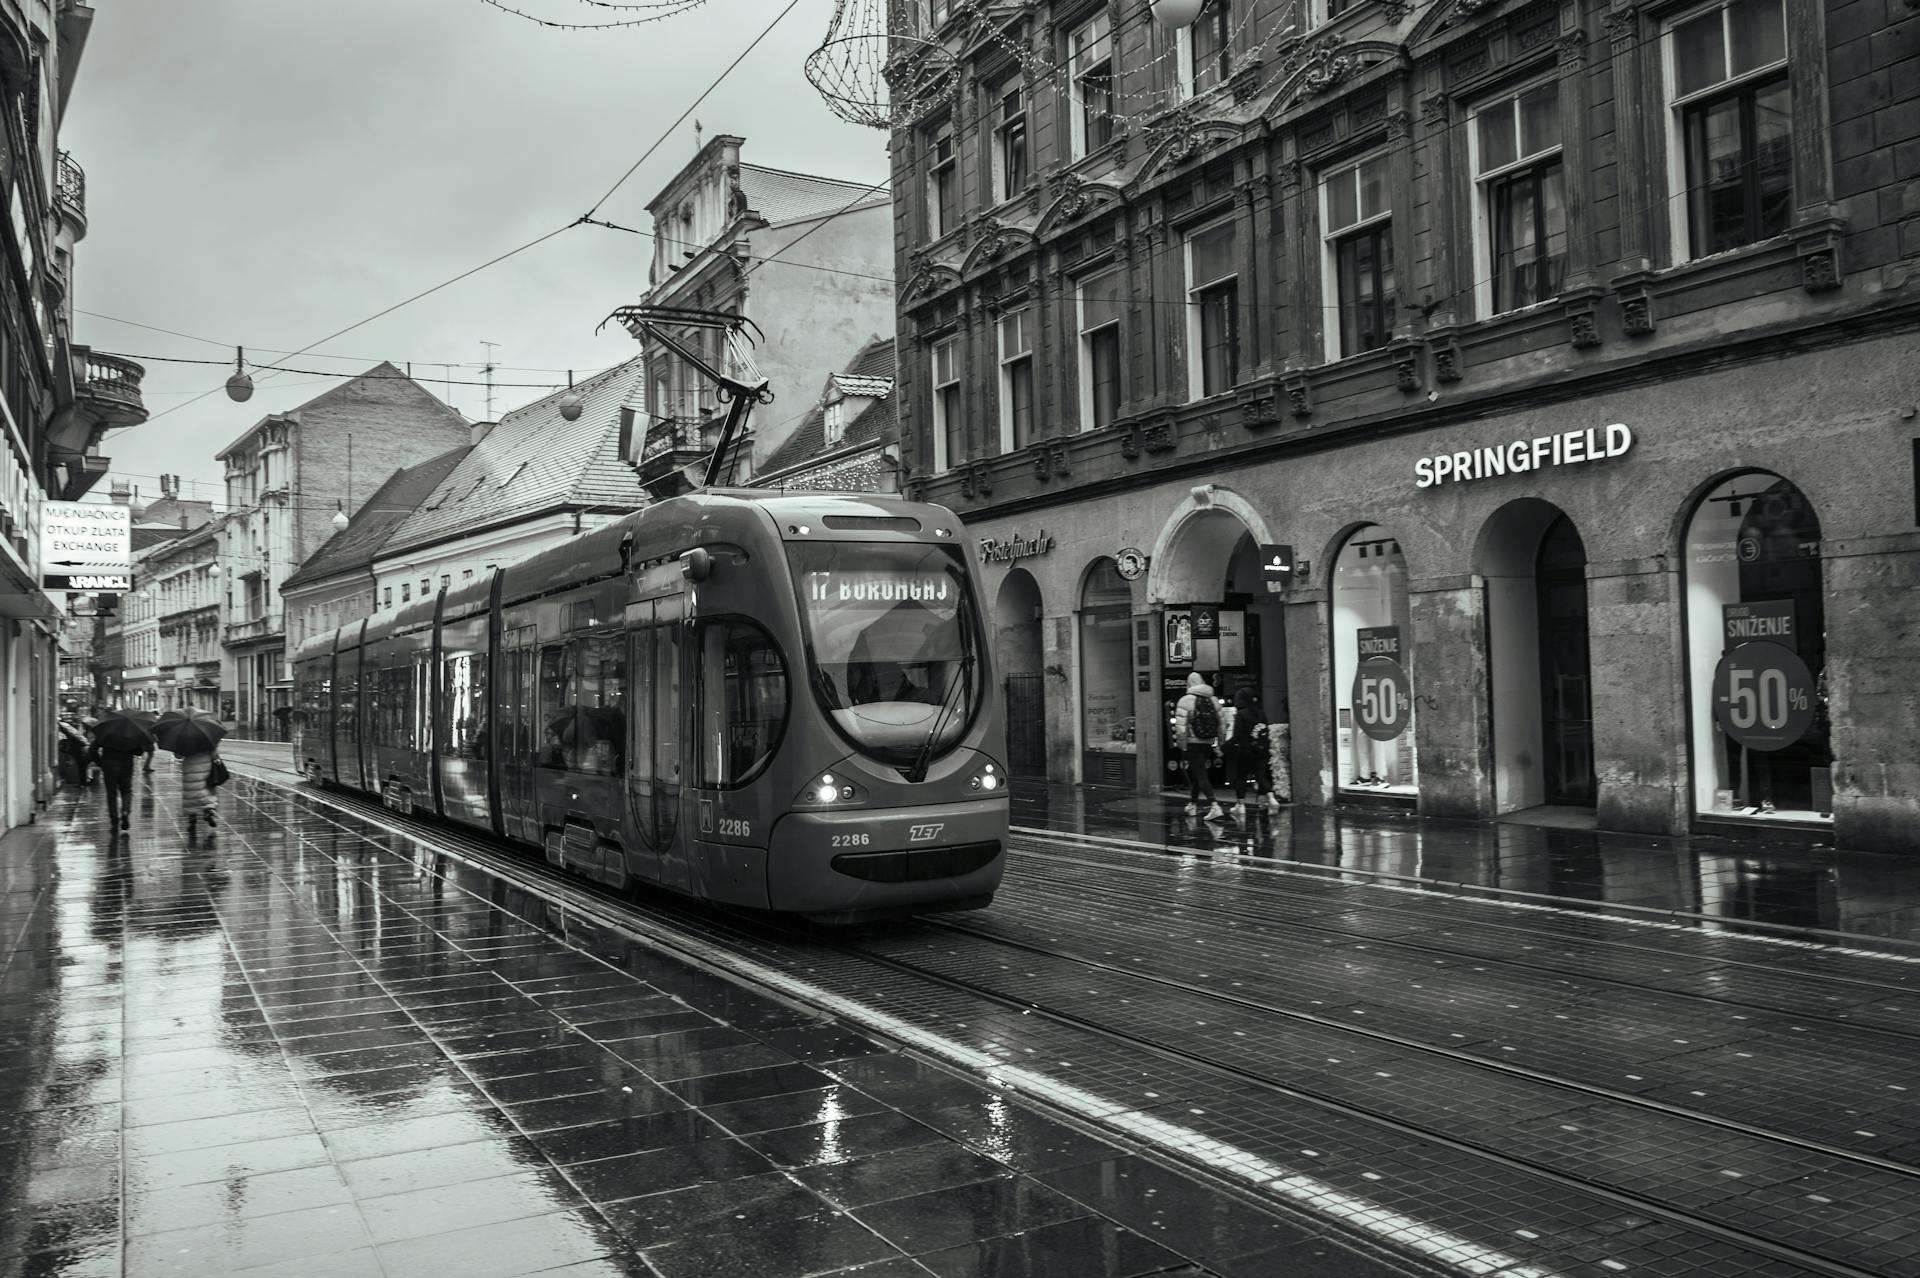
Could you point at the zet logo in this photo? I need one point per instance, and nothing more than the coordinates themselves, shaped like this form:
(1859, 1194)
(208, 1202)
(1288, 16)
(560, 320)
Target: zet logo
(925, 833)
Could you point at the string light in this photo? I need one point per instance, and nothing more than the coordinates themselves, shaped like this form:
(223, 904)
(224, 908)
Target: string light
(668, 9)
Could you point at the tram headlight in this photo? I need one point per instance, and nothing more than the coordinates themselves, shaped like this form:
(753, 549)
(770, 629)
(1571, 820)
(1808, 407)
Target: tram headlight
(829, 789)
(987, 780)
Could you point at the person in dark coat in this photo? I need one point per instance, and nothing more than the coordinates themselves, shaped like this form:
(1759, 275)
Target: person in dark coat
(116, 769)
(1245, 749)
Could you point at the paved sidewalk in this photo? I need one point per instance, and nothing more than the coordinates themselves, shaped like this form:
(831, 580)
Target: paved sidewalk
(1781, 883)
(308, 1047)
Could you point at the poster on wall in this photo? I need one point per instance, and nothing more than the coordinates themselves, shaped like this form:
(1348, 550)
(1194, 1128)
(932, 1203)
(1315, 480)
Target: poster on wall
(1179, 641)
(1206, 638)
(1382, 696)
(1233, 639)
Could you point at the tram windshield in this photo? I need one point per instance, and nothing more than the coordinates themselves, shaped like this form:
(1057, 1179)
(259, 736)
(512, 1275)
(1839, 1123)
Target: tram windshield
(893, 643)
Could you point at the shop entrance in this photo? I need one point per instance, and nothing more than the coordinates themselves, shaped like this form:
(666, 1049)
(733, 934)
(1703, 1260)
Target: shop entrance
(1535, 568)
(1216, 619)
(1016, 625)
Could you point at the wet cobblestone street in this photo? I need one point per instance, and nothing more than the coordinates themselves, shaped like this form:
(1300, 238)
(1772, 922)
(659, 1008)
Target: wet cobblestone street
(328, 1041)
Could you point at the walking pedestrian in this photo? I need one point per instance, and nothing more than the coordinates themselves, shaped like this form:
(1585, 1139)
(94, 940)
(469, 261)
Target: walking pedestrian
(1196, 732)
(198, 797)
(116, 770)
(1246, 747)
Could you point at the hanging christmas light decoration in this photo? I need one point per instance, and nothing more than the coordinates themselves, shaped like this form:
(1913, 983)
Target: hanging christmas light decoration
(871, 70)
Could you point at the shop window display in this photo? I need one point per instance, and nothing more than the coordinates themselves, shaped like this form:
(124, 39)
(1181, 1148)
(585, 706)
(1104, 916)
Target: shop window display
(1372, 669)
(1106, 676)
(1756, 653)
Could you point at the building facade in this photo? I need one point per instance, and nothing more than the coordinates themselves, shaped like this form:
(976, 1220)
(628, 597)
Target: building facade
(336, 584)
(805, 258)
(849, 441)
(1517, 399)
(534, 479)
(56, 399)
(286, 478)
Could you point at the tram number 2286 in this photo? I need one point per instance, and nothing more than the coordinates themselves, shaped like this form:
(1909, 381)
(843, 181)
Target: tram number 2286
(849, 840)
(736, 827)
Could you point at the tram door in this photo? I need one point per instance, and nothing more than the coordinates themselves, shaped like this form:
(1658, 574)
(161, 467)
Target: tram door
(514, 725)
(654, 735)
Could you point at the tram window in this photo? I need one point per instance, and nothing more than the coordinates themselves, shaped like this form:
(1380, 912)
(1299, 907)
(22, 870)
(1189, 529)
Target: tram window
(553, 705)
(743, 701)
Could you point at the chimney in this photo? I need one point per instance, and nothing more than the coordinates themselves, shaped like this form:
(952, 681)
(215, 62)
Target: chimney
(479, 431)
(169, 486)
(122, 493)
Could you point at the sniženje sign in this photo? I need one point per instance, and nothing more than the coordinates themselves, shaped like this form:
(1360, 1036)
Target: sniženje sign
(1769, 620)
(1382, 698)
(1763, 695)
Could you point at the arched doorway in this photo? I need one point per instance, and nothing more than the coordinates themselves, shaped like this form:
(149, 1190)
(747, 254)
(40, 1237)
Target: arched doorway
(1109, 750)
(1017, 643)
(1215, 614)
(1540, 673)
(1756, 653)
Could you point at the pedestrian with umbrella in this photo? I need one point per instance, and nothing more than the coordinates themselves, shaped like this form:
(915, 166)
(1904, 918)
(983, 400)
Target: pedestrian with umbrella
(75, 750)
(119, 738)
(194, 735)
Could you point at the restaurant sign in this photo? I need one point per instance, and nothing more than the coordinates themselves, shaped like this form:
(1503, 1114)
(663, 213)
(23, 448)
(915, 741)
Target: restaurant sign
(1013, 548)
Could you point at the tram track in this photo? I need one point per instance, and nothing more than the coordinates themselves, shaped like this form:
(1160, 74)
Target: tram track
(1545, 938)
(750, 932)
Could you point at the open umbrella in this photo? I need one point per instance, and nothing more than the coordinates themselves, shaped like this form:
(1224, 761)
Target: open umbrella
(120, 730)
(188, 731)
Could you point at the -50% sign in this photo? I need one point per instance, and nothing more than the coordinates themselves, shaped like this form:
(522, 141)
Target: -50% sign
(1763, 695)
(1382, 698)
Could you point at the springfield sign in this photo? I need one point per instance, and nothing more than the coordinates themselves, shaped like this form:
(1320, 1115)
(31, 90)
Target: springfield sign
(1564, 449)
(85, 547)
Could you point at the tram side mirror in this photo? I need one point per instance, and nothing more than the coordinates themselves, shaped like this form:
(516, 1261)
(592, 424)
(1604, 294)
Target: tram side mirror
(697, 564)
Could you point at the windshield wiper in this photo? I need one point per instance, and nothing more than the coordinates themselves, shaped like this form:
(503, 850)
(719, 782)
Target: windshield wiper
(923, 758)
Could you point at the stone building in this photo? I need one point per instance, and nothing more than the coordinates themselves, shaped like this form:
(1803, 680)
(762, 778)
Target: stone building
(57, 399)
(1517, 398)
(286, 478)
(805, 258)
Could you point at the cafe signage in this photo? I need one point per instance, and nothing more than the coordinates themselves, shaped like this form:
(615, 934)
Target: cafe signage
(1014, 548)
(1566, 448)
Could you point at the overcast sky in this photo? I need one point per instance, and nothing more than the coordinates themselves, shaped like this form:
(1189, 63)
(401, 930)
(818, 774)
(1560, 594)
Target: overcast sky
(264, 172)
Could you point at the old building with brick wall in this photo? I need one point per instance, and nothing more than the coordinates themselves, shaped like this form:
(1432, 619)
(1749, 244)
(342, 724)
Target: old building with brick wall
(1516, 400)
(287, 476)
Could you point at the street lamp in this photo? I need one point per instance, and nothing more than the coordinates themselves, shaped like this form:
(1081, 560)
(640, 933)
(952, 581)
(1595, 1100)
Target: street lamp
(1177, 13)
(239, 386)
(340, 519)
(571, 403)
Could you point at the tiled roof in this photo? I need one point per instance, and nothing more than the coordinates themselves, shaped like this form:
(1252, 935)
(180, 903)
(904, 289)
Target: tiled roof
(780, 196)
(873, 366)
(358, 544)
(534, 461)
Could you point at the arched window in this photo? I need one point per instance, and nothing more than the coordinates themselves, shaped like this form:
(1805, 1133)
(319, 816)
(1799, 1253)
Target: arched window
(1372, 667)
(1756, 653)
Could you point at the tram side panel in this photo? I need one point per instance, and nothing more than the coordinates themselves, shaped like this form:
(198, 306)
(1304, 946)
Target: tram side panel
(579, 712)
(348, 700)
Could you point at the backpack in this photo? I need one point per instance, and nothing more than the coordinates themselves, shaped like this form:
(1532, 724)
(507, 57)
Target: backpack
(1204, 723)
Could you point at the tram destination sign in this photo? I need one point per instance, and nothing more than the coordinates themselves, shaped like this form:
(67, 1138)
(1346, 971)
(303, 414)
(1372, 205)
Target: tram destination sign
(1563, 448)
(84, 546)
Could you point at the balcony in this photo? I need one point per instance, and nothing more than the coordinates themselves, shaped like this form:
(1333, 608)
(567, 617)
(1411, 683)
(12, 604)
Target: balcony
(672, 445)
(71, 181)
(257, 630)
(108, 388)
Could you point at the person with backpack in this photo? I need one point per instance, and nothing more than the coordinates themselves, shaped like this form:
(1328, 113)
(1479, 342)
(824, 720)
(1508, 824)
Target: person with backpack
(1196, 733)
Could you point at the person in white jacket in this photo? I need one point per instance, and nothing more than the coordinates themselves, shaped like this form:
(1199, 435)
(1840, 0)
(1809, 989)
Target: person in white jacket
(1196, 733)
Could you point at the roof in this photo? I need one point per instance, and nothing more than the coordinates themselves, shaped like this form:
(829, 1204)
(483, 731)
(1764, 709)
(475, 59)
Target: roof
(536, 461)
(780, 196)
(872, 368)
(356, 546)
(383, 371)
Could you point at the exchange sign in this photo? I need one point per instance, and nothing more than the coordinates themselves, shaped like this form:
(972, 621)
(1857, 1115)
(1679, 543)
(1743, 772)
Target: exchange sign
(1763, 695)
(1382, 698)
(80, 540)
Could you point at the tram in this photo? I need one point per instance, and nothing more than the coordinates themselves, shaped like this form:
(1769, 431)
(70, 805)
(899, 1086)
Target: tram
(781, 701)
